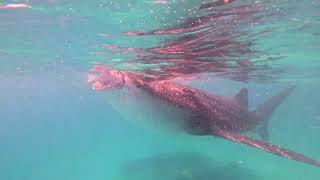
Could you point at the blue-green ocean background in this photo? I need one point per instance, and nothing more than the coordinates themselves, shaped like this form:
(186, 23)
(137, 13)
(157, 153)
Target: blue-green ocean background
(54, 127)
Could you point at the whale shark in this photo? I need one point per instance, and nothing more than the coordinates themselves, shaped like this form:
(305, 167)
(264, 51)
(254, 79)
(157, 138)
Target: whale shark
(209, 114)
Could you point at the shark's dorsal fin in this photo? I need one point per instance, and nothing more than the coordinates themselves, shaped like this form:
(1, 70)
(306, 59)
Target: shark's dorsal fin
(242, 97)
(270, 148)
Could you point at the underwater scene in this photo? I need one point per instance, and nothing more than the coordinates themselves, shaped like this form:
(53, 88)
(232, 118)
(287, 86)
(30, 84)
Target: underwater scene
(159, 89)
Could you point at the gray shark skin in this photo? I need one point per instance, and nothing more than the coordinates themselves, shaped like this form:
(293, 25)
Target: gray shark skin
(216, 115)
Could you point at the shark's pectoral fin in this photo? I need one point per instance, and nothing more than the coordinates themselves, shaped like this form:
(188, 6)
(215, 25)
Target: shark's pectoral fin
(195, 126)
(242, 98)
(266, 147)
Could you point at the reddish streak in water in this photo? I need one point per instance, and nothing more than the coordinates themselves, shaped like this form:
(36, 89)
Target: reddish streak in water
(216, 4)
(14, 6)
(105, 35)
(245, 63)
(160, 2)
(207, 43)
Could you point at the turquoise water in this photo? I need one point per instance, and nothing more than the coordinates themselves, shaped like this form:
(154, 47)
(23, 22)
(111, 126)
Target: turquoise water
(53, 126)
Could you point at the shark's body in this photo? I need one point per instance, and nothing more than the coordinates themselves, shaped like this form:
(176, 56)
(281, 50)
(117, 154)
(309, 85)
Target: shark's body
(208, 111)
(216, 115)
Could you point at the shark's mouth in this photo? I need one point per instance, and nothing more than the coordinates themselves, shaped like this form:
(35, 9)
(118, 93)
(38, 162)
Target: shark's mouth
(103, 77)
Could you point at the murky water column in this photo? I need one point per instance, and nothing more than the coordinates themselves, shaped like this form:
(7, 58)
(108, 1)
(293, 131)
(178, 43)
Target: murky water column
(53, 126)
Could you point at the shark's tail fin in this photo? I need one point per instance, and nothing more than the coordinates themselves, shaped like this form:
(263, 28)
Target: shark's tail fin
(266, 147)
(265, 110)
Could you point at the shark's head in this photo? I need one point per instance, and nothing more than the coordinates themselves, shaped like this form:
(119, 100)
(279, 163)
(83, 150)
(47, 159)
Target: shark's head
(103, 77)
